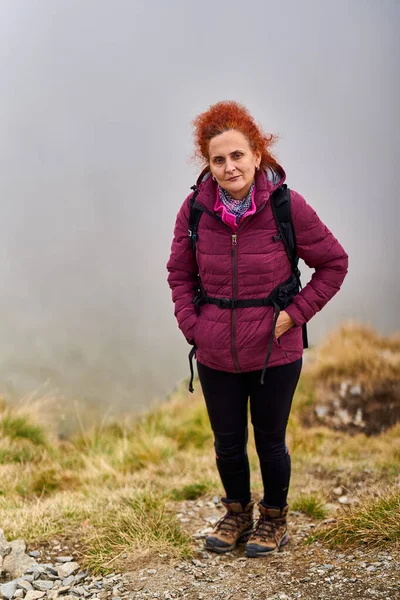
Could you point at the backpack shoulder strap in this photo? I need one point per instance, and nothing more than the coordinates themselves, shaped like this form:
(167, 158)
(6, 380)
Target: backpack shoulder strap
(194, 218)
(280, 203)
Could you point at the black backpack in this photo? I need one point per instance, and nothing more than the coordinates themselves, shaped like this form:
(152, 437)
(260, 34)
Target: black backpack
(282, 295)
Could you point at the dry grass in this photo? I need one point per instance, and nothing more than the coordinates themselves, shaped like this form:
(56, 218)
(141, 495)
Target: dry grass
(136, 522)
(84, 485)
(374, 522)
(355, 350)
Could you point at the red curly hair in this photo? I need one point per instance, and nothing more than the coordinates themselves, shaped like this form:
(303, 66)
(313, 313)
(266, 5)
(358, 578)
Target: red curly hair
(227, 115)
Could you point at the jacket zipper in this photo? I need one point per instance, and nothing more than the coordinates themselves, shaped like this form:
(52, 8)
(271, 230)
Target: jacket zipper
(234, 269)
(235, 285)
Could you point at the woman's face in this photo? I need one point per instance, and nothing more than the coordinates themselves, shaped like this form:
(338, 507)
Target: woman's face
(233, 162)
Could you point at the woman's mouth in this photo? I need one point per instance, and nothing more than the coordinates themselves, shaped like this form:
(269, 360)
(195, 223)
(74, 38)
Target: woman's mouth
(234, 178)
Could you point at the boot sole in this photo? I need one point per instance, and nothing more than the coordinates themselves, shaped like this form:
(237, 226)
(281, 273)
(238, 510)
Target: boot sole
(220, 550)
(254, 552)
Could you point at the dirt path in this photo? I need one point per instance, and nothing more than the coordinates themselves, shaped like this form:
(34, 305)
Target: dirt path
(299, 571)
(309, 572)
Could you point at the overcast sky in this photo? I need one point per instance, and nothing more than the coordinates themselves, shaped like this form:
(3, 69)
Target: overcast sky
(96, 103)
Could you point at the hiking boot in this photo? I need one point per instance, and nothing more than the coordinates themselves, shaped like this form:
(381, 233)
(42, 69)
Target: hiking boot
(270, 532)
(235, 526)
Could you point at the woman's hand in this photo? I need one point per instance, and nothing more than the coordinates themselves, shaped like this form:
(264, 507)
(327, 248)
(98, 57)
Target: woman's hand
(283, 323)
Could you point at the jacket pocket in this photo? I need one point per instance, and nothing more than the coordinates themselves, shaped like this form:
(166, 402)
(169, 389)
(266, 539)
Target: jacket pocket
(278, 343)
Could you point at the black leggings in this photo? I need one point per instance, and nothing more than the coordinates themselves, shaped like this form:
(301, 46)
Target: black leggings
(226, 396)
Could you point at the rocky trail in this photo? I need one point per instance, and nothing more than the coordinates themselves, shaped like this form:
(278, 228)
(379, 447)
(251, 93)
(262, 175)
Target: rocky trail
(310, 572)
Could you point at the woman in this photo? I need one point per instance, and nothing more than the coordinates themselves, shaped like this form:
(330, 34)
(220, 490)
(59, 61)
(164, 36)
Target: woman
(238, 270)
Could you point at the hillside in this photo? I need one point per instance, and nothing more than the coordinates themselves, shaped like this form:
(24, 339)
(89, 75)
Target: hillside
(136, 495)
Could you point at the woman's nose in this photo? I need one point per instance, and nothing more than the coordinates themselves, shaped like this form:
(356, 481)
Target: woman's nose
(229, 166)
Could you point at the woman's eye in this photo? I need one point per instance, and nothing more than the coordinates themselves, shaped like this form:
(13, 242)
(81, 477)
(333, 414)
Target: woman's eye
(218, 161)
(237, 155)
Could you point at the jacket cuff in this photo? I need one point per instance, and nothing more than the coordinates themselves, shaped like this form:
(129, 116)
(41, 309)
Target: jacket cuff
(295, 314)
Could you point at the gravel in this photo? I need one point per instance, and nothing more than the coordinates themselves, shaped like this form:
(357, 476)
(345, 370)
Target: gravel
(298, 572)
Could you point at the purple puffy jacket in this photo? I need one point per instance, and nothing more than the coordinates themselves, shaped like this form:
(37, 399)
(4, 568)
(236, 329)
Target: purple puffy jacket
(249, 265)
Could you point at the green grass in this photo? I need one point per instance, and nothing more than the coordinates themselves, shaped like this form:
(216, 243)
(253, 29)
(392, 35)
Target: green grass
(374, 522)
(311, 505)
(138, 523)
(152, 439)
(192, 491)
(82, 486)
(20, 427)
(22, 452)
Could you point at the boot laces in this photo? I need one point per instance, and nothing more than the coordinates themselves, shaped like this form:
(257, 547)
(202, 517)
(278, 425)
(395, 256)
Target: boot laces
(231, 521)
(266, 528)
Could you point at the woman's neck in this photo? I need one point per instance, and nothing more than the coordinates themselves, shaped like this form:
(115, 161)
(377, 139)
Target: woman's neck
(240, 196)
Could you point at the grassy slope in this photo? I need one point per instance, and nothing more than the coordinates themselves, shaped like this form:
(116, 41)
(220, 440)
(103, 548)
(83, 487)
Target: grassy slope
(110, 487)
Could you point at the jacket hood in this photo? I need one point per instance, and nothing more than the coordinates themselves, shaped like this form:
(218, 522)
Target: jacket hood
(266, 180)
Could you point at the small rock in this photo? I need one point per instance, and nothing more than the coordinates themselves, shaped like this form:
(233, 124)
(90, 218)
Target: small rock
(81, 576)
(34, 595)
(19, 594)
(206, 530)
(327, 567)
(63, 588)
(24, 585)
(68, 581)
(34, 553)
(64, 559)
(344, 500)
(78, 591)
(355, 390)
(371, 568)
(151, 571)
(67, 569)
(5, 546)
(326, 521)
(43, 585)
(17, 562)
(198, 563)
(8, 589)
(321, 411)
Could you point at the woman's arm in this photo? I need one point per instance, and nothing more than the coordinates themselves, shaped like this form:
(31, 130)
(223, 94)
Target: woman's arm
(321, 251)
(182, 275)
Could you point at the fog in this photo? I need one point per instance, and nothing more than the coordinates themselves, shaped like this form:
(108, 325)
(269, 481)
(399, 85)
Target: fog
(96, 103)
